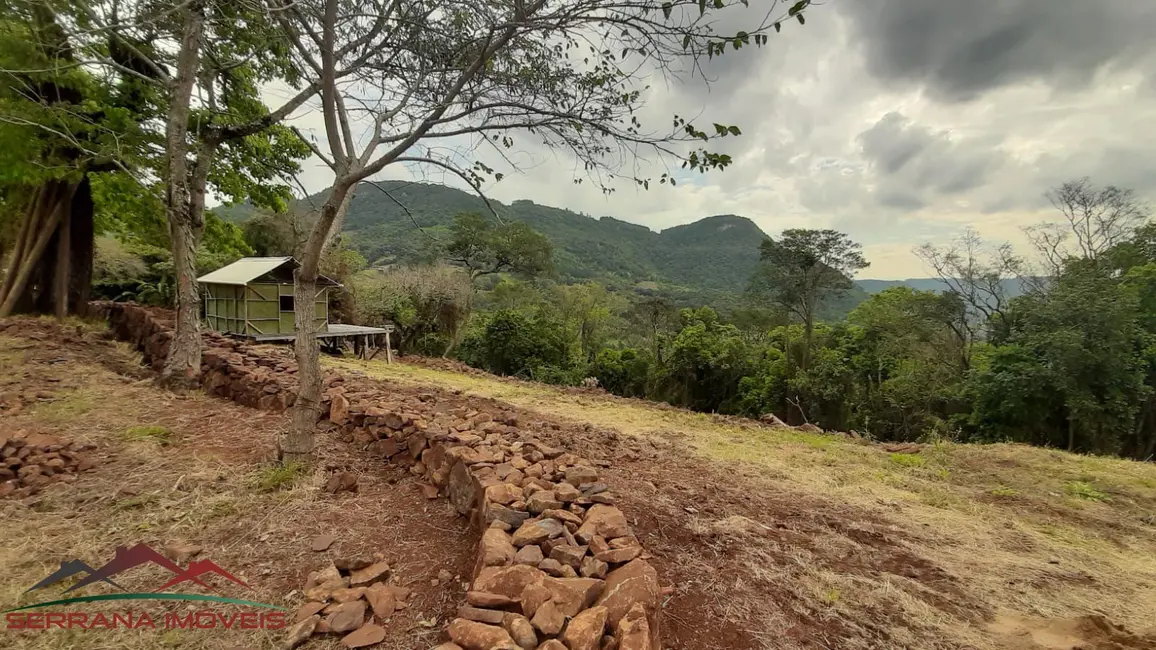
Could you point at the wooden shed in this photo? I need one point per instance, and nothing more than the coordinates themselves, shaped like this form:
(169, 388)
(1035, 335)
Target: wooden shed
(254, 297)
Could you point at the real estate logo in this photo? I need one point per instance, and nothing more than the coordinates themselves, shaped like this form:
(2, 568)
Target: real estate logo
(42, 615)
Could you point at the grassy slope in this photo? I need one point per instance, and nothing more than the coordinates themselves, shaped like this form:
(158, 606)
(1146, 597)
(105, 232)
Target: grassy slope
(1030, 531)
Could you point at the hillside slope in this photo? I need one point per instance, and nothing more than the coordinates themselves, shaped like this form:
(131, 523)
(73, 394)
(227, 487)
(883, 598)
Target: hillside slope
(793, 540)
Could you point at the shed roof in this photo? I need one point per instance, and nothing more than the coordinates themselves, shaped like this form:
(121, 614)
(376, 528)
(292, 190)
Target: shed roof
(247, 269)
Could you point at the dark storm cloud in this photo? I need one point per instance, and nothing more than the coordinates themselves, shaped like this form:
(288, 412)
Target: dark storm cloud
(959, 49)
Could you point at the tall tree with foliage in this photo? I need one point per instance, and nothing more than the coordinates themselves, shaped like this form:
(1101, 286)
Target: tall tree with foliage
(483, 248)
(201, 65)
(803, 268)
(447, 73)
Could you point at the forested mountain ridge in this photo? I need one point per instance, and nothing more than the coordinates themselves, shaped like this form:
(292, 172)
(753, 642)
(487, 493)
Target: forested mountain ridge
(715, 254)
(709, 260)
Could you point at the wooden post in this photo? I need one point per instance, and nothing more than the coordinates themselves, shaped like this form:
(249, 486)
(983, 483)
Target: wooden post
(388, 348)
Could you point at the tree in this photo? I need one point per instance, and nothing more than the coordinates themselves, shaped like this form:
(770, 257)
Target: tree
(978, 277)
(801, 269)
(467, 76)
(1095, 220)
(510, 247)
(201, 65)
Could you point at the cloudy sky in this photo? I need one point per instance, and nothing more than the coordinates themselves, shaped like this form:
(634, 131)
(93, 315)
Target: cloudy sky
(899, 122)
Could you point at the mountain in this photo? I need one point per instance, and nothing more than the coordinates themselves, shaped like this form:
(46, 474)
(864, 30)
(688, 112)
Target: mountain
(699, 262)
(1012, 286)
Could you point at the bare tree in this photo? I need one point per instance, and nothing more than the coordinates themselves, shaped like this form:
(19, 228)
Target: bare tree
(1094, 220)
(977, 275)
(444, 80)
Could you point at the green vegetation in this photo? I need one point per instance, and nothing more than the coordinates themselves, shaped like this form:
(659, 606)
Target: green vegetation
(1085, 490)
(277, 476)
(709, 261)
(149, 433)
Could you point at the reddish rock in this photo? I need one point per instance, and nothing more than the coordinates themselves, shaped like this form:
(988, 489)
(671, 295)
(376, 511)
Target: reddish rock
(180, 553)
(536, 532)
(585, 631)
(634, 630)
(486, 599)
(533, 597)
(508, 581)
(481, 614)
(298, 633)
(373, 573)
(366, 635)
(632, 584)
(338, 409)
(604, 520)
(520, 630)
(381, 599)
(531, 554)
(495, 549)
(346, 617)
(579, 475)
(569, 555)
(573, 595)
(322, 543)
(593, 568)
(345, 594)
(548, 619)
(471, 635)
(307, 610)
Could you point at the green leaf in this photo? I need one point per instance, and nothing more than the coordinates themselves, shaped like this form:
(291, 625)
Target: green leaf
(686, 41)
(778, 27)
(802, 21)
(734, 130)
(701, 7)
(666, 9)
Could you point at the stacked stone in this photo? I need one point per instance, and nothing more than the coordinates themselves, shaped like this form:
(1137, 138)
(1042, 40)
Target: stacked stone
(149, 330)
(350, 599)
(558, 566)
(29, 461)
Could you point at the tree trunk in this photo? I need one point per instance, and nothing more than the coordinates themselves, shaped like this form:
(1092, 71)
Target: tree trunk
(297, 445)
(27, 282)
(183, 365)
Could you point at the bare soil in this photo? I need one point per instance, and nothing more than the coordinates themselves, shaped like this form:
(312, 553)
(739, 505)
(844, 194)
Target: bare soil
(769, 540)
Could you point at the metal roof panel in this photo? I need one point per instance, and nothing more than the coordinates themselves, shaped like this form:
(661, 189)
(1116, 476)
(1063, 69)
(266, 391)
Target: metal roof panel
(244, 270)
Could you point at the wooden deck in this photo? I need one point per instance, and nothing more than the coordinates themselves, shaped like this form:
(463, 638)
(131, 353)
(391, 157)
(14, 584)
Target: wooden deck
(336, 330)
(361, 339)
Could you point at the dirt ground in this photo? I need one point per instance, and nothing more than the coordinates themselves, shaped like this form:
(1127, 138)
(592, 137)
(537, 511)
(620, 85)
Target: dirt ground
(770, 539)
(199, 485)
(778, 539)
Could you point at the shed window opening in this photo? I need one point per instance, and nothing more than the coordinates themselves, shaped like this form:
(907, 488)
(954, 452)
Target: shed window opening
(286, 303)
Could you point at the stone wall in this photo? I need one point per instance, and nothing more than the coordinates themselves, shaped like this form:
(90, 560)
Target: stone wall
(558, 566)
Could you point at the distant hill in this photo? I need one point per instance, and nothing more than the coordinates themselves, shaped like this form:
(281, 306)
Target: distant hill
(1012, 287)
(708, 261)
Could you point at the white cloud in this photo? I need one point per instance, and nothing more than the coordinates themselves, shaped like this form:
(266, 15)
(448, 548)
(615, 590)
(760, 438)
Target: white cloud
(860, 121)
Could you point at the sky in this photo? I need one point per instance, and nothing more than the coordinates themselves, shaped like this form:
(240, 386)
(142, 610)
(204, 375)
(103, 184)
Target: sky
(898, 122)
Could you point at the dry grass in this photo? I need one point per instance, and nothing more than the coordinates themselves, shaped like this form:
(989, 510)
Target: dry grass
(209, 484)
(1033, 531)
